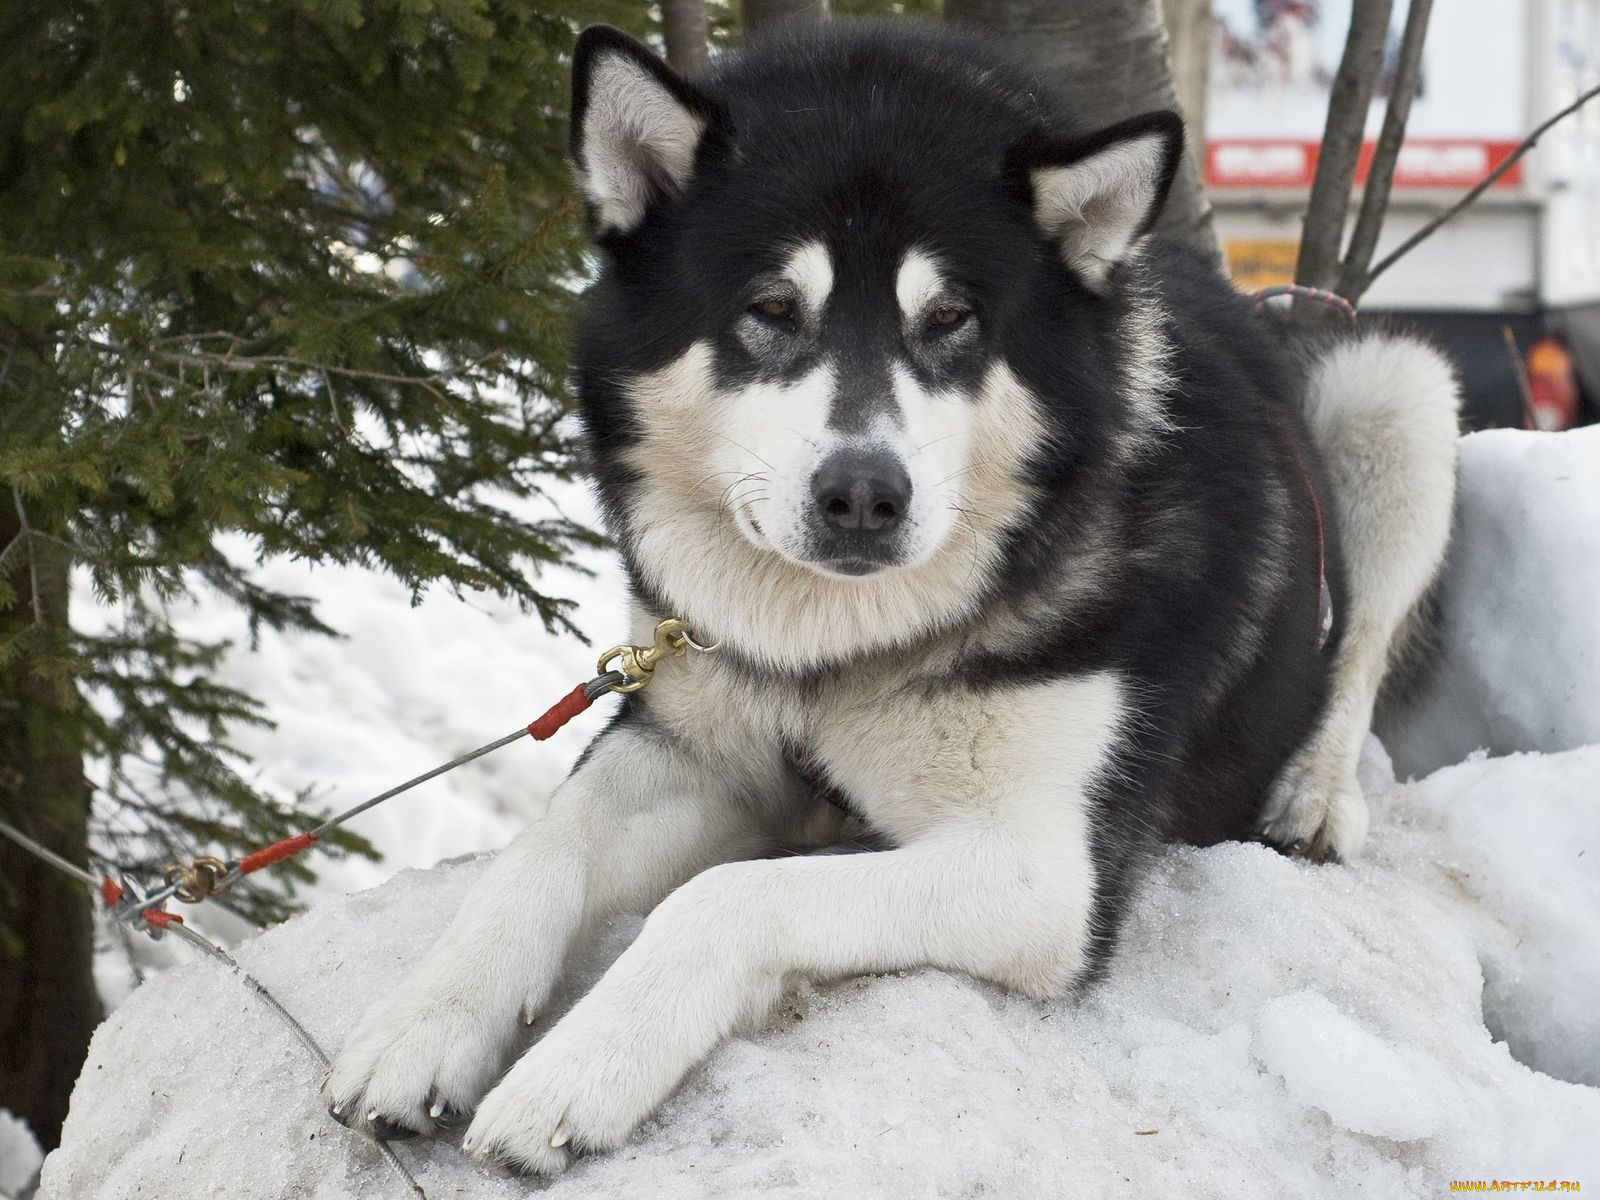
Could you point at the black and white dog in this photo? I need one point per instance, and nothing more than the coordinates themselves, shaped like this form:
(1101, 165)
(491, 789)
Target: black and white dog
(1017, 529)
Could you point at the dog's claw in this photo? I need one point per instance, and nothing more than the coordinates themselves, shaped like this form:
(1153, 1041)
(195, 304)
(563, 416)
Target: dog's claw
(562, 1135)
(336, 1111)
(436, 1109)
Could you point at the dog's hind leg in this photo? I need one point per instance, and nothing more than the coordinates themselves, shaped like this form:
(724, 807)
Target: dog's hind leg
(1382, 411)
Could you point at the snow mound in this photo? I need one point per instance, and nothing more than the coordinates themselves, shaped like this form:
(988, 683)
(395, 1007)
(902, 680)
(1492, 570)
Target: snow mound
(1519, 635)
(1330, 1061)
(1268, 1028)
(1517, 838)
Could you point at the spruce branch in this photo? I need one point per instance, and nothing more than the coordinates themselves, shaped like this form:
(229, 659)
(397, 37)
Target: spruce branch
(26, 537)
(326, 321)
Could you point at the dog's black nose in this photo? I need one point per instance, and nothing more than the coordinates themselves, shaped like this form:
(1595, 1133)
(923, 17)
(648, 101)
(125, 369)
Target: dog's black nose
(862, 491)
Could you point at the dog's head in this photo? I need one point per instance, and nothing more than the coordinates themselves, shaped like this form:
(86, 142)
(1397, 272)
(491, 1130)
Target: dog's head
(860, 308)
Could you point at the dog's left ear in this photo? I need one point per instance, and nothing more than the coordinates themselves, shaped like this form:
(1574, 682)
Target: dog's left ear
(636, 127)
(1097, 196)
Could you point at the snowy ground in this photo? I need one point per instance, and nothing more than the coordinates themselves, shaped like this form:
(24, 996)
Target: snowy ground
(1431, 1013)
(1283, 1029)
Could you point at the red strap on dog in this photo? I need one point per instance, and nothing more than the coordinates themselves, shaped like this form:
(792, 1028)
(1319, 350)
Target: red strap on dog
(1324, 592)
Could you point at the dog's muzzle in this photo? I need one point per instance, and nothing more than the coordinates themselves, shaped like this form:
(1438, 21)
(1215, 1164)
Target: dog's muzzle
(861, 499)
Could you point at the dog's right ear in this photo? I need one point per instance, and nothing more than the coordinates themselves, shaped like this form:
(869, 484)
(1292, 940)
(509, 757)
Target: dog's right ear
(1096, 197)
(635, 128)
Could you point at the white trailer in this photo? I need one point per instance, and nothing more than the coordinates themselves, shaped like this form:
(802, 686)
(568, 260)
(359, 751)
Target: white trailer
(1525, 257)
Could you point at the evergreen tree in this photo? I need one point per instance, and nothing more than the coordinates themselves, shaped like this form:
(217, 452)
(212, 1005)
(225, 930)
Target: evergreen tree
(283, 279)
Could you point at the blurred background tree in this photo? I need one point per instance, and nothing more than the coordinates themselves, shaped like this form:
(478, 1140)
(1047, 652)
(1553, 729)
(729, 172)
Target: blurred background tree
(285, 280)
(1114, 59)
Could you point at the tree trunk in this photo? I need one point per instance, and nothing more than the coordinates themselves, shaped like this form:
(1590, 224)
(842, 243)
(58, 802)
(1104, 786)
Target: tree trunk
(48, 1003)
(758, 16)
(686, 31)
(1189, 30)
(1348, 101)
(1353, 274)
(1108, 58)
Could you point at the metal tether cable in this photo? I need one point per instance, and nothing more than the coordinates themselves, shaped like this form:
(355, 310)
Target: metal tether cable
(205, 877)
(310, 1043)
(48, 855)
(207, 946)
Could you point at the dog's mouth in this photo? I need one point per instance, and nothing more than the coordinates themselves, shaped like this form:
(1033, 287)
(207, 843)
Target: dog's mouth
(855, 567)
(838, 566)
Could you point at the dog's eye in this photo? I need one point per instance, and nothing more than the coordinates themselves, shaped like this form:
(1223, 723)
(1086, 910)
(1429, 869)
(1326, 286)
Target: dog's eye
(774, 308)
(945, 320)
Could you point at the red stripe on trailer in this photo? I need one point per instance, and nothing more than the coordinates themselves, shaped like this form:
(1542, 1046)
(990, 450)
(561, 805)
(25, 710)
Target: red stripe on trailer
(1292, 162)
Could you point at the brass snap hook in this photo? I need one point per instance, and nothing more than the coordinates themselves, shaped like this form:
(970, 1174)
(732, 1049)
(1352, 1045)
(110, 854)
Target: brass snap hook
(198, 881)
(639, 663)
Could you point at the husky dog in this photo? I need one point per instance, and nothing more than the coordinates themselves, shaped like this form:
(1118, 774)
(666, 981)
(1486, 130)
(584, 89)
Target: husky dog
(1027, 546)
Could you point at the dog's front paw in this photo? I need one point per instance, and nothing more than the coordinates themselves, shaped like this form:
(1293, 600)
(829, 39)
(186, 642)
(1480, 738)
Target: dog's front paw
(586, 1086)
(419, 1059)
(1319, 814)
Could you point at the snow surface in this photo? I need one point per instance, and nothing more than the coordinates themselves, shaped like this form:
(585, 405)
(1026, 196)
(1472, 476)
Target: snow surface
(1269, 1028)
(1282, 1028)
(20, 1155)
(1519, 667)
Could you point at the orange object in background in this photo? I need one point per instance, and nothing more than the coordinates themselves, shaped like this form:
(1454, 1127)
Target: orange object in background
(1255, 263)
(1552, 386)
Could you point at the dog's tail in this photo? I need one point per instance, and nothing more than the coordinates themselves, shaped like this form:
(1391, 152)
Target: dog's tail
(1383, 409)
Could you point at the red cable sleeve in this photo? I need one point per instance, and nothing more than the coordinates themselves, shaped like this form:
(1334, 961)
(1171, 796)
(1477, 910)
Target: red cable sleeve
(276, 852)
(569, 706)
(110, 892)
(160, 918)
